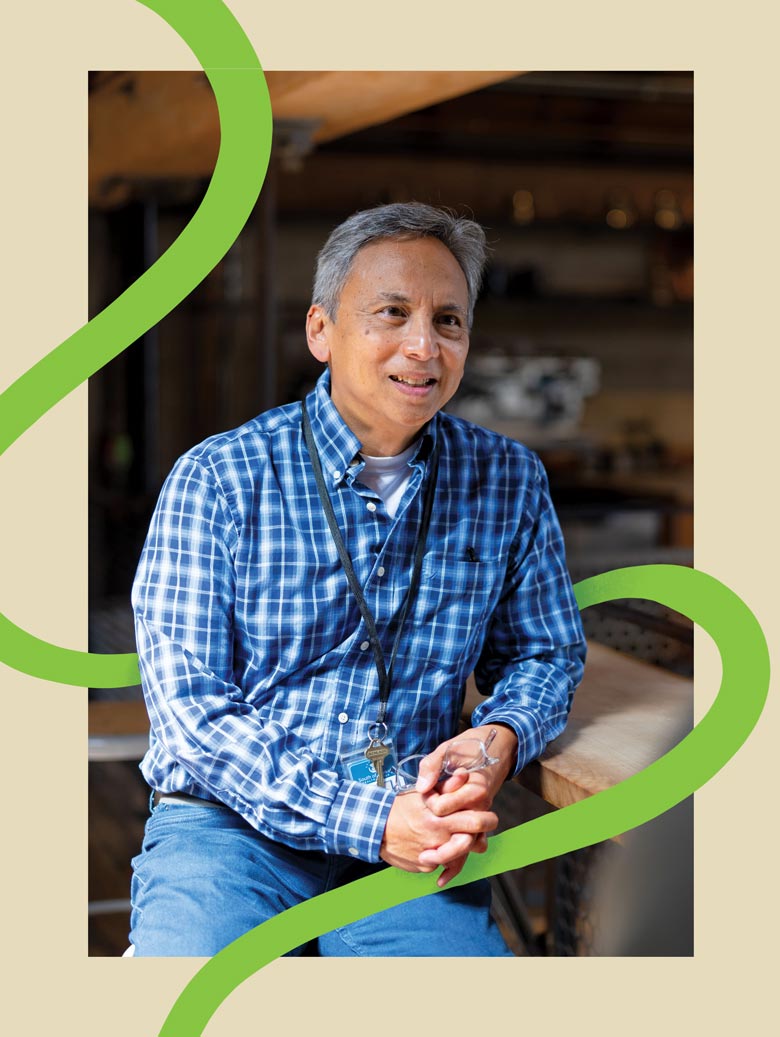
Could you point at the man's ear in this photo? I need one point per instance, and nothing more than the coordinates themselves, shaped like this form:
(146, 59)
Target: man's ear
(318, 324)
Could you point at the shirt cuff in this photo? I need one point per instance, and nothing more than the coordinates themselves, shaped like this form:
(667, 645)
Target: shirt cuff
(531, 737)
(357, 819)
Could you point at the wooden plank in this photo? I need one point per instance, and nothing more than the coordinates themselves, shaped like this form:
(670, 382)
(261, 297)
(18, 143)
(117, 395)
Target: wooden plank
(166, 125)
(344, 102)
(150, 125)
(626, 714)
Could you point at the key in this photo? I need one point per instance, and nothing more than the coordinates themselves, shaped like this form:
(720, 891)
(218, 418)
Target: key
(376, 754)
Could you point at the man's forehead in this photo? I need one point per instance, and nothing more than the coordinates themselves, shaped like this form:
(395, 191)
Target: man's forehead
(387, 255)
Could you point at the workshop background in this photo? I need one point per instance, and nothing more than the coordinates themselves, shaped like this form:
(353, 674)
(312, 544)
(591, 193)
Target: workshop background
(582, 348)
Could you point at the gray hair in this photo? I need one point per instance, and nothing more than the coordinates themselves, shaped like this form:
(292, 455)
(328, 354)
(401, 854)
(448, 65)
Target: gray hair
(404, 220)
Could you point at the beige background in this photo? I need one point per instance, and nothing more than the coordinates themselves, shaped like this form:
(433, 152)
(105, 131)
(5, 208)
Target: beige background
(51, 986)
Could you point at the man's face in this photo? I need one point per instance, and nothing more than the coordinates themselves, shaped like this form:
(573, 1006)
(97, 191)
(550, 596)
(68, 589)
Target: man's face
(399, 341)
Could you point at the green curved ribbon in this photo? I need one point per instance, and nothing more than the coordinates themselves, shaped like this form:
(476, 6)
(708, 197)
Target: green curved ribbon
(670, 779)
(240, 90)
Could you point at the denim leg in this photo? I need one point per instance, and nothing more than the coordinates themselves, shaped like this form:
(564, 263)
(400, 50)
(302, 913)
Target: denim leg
(452, 923)
(204, 877)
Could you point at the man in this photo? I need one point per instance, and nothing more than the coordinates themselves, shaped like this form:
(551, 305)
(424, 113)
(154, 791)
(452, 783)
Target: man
(315, 589)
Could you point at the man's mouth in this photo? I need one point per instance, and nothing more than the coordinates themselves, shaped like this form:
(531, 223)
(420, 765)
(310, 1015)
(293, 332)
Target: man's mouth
(418, 383)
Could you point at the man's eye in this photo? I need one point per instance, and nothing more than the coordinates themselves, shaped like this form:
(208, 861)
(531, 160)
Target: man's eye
(450, 319)
(393, 311)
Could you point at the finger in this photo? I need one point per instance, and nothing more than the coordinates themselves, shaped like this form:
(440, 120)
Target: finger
(472, 793)
(456, 846)
(430, 769)
(444, 799)
(472, 822)
(452, 869)
(454, 781)
(480, 843)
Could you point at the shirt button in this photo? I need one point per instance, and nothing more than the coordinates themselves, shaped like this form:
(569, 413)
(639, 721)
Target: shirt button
(343, 718)
(336, 475)
(380, 571)
(371, 506)
(354, 851)
(364, 646)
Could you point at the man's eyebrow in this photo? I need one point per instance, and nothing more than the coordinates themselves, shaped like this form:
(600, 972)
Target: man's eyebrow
(448, 307)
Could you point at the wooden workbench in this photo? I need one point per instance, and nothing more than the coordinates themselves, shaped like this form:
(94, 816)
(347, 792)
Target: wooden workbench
(626, 714)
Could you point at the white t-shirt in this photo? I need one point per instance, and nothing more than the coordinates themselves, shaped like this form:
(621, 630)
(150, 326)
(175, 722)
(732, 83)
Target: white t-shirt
(388, 476)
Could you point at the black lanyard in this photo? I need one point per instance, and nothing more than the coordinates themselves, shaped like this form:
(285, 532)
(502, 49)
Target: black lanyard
(385, 673)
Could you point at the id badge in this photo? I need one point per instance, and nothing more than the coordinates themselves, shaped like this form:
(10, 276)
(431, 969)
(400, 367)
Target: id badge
(357, 767)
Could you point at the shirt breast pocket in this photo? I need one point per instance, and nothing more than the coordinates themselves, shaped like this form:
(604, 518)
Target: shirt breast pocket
(456, 599)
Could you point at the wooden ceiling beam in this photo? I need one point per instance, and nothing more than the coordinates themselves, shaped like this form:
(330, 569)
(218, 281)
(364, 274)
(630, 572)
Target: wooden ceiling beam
(164, 125)
(344, 102)
(150, 125)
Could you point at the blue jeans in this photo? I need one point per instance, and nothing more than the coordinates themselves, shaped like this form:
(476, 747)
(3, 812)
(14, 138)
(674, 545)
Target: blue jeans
(204, 877)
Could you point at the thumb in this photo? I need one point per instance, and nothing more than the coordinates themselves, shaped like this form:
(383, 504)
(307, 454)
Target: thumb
(430, 770)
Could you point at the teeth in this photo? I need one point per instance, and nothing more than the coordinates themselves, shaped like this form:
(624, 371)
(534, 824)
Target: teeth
(410, 381)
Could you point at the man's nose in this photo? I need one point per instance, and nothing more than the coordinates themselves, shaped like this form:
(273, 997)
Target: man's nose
(421, 340)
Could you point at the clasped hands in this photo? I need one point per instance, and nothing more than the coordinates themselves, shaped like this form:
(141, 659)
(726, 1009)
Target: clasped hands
(441, 823)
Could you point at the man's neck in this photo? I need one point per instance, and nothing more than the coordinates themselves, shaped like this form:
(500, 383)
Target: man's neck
(378, 442)
(385, 446)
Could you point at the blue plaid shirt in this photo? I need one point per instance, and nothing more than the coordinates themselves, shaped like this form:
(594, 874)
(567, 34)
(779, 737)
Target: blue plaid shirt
(256, 665)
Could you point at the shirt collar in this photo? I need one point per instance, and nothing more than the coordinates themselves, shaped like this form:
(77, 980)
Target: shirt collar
(338, 446)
